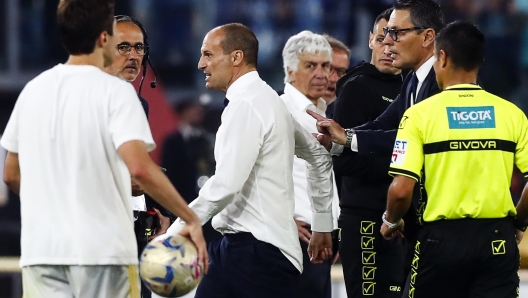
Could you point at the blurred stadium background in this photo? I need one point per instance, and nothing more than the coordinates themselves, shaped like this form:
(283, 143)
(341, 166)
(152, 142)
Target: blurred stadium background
(29, 45)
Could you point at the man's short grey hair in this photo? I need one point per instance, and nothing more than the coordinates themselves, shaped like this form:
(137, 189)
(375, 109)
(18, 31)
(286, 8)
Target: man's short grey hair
(303, 42)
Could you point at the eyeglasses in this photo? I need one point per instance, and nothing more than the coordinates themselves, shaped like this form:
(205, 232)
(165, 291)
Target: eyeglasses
(340, 71)
(125, 48)
(393, 33)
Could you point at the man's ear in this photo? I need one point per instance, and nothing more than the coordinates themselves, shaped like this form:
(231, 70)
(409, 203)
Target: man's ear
(443, 59)
(429, 38)
(370, 40)
(237, 57)
(291, 74)
(102, 39)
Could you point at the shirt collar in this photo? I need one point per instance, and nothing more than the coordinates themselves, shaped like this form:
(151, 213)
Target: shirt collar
(301, 101)
(240, 84)
(464, 87)
(424, 70)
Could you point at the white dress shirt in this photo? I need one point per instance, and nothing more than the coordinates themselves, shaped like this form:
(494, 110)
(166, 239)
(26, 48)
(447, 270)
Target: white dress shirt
(252, 189)
(297, 104)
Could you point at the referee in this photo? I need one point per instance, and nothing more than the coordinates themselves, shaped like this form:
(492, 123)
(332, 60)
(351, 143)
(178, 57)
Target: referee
(464, 143)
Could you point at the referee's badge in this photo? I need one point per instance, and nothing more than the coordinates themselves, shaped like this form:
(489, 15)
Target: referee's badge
(471, 117)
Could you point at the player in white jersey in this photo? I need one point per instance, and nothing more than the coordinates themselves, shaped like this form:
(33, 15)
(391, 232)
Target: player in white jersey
(74, 139)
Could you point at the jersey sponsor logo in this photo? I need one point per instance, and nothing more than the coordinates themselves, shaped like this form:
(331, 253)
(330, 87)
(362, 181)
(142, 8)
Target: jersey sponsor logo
(387, 99)
(367, 227)
(472, 145)
(399, 152)
(471, 117)
(368, 288)
(369, 272)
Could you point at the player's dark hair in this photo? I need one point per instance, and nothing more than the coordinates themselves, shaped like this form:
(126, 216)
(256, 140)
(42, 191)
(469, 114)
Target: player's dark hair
(80, 22)
(423, 13)
(240, 37)
(463, 43)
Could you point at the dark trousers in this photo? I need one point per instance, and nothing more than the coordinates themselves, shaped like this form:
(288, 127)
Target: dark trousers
(372, 266)
(240, 266)
(465, 258)
(314, 281)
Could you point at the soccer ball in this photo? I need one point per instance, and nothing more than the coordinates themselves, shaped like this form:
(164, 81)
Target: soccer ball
(169, 266)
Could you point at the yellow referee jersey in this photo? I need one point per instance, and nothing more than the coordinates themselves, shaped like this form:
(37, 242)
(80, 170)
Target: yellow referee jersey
(466, 140)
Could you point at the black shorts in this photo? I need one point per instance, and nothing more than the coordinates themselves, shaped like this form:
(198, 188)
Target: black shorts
(372, 266)
(465, 258)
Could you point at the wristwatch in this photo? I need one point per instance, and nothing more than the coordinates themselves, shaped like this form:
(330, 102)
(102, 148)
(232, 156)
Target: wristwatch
(390, 224)
(350, 132)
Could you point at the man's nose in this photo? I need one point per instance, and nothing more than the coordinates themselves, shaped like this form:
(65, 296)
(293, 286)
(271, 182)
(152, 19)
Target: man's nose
(201, 65)
(387, 40)
(322, 72)
(333, 77)
(386, 50)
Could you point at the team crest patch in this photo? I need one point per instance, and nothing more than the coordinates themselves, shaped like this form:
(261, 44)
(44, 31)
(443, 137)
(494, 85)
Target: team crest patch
(471, 117)
(399, 152)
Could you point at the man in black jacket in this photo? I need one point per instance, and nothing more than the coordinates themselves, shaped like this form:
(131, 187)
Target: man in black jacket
(371, 264)
(409, 35)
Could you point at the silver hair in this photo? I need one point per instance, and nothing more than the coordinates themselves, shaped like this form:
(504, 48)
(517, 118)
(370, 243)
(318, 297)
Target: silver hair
(303, 42)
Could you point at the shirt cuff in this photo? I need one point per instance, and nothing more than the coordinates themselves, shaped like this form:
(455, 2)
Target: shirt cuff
(176, 227)
(354, 144)
(336, 149)
(322, 222)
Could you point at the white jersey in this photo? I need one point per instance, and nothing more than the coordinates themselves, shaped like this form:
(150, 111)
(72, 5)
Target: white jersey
(75, 189)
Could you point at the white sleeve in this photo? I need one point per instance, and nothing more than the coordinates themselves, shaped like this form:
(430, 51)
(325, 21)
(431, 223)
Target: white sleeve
(238, 144)
(336, 149)
(354, 144)
(10, 137)
(319, 174)
(127, 120)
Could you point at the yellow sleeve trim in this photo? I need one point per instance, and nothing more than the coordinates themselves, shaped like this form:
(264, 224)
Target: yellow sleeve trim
(395, 171)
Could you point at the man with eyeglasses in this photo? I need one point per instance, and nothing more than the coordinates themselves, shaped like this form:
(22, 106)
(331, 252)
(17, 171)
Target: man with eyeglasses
(409, 35)
(130, 57)
(307, 59)
(340, 63)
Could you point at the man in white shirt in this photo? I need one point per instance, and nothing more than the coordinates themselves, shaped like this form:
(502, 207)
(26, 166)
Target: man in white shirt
(251, 194)
(74, 139)
(307, 60)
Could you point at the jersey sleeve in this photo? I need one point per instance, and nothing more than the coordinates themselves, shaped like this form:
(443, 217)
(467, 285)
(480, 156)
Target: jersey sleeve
(521, 149)
(127, 120)
(407, 155)
(10, 136)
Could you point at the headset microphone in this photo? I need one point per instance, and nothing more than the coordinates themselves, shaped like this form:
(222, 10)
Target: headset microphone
(154, 83)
